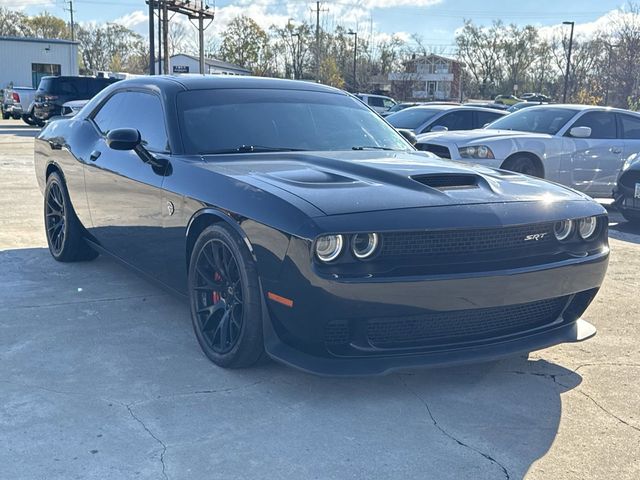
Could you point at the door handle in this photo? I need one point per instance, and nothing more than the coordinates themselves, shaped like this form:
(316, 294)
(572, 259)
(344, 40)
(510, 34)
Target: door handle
(95, 155)
(615, 150)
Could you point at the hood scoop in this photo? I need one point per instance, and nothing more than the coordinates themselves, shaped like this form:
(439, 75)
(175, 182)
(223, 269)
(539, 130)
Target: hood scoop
(449, 181)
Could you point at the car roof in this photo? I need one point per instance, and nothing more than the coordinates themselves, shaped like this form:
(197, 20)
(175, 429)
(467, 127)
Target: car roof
(582, 108)
(373, 95)
(206, 82)
(452, 107)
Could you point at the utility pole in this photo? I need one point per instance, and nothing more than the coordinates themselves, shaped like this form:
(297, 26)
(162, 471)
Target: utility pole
(72, 23)
(165, 36)
(566, 75)
(152, 45)
(201, 42)
(318, 10)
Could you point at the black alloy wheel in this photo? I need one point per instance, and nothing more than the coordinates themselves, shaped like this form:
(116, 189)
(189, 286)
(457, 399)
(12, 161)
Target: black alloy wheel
(225, 299)
(65, 235)
(219, 298)
(55, 219)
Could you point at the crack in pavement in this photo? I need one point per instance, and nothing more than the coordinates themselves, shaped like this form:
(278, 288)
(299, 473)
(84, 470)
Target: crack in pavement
(81, 302)
(554, 378)
(164, 447)
(449, 435)
(196, 392)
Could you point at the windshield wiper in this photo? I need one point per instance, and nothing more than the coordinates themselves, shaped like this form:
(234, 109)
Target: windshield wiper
(253, 149)
(372, 147)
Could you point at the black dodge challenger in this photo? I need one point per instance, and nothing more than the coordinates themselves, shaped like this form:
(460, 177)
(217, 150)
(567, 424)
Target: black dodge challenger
(301, 225)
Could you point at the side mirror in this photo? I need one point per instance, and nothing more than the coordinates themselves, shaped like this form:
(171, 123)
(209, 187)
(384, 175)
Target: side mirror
(439, 128)
(124, 139)
(580, 132)
(408, 135)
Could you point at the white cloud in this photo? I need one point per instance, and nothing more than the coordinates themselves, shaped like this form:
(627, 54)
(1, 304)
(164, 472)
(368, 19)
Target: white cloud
(133, 19)
(22, 4)
(604, 24)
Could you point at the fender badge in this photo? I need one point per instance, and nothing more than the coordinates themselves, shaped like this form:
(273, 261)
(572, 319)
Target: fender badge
(170, 208)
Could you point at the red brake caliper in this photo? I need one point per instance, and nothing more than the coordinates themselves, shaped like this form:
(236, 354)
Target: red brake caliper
(215, 296)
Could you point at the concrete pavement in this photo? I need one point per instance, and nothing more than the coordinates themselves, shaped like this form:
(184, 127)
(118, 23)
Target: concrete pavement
(102, 378)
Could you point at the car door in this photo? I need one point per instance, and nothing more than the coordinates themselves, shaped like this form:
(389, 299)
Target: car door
(593, 159)
(629, 126)
(456, 120)
(124, 192)
(484, 118)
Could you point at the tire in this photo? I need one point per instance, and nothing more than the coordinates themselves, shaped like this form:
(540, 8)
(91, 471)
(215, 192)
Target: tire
(523, 164)
(29, 120)
(6, 116)
(225, 299)
(63, 229)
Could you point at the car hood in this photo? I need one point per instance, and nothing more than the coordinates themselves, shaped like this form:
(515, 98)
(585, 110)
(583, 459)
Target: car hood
(350, 182)
(482, 134)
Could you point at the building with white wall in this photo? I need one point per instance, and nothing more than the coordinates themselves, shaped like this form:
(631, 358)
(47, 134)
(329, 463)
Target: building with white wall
(182, 63)
(24, 61)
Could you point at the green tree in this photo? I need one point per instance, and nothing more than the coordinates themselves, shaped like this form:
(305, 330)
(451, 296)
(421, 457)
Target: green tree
(246, 44)
(13, 24)
(46, 25)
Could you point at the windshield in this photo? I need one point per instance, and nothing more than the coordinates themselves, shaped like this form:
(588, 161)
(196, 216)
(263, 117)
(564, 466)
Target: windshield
(258, 120)
(412, 118)
(535, 120)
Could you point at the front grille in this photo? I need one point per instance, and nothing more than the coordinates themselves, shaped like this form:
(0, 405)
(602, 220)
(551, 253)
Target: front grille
(461, 242)
(439, 328)
(439, 150)
(463, 325)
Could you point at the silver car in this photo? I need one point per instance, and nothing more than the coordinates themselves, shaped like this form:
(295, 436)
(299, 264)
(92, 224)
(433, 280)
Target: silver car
(580, 146)
(443, 117)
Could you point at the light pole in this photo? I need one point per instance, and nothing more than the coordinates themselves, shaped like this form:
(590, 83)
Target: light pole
(606, 92)
(566, 75)
(355, 58)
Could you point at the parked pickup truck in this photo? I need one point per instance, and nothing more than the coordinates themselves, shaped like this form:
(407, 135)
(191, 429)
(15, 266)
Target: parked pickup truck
(17, 102)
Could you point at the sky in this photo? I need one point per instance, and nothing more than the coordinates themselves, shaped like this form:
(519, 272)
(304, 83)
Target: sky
(436, 21)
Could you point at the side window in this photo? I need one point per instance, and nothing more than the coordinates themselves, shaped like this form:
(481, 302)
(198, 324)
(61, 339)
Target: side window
(376, 102)
(388, 103)
(602, 124)
(630, 127)
(142, 111)
(461, 120)
(67, 87)
(486, 117)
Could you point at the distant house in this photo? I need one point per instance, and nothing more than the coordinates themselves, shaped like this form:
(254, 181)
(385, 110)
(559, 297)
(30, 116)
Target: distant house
(183, 63)
(430, 77)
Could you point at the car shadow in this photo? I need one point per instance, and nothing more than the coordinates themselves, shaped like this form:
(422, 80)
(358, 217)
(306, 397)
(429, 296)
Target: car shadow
(87, 333)
(625, 231)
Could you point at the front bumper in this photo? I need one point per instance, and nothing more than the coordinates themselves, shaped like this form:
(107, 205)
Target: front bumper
(297, 335)
(44, 111)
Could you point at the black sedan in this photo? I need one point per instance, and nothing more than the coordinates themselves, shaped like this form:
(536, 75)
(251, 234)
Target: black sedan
(298, 223)
(627, 191)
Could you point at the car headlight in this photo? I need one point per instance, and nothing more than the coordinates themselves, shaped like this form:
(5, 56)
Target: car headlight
(329, 247)
(364, 245)
(476, 151)
(563, 229)
(587, 227)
